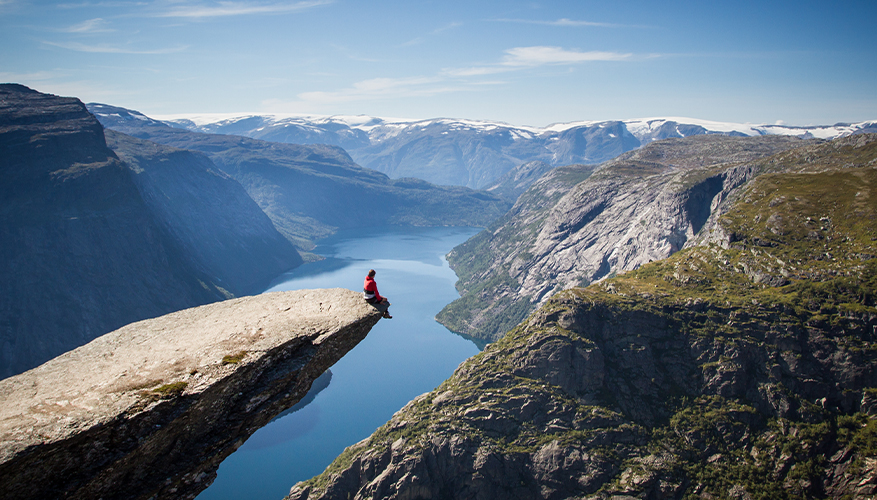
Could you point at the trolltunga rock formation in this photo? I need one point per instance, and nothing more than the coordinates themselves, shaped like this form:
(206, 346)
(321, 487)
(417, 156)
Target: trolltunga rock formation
(151, 409)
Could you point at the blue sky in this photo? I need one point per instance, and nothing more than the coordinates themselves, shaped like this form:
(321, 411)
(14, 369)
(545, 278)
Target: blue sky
(522, 62)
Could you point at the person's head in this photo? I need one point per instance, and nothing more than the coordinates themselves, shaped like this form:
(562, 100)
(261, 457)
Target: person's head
(371, 273)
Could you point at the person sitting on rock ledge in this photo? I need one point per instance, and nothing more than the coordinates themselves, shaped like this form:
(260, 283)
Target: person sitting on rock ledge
(371, 295)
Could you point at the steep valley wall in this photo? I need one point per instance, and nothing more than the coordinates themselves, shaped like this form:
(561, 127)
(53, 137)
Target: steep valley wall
(743, 366)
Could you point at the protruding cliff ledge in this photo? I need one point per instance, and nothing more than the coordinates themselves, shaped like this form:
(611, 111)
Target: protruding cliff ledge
(151, 409)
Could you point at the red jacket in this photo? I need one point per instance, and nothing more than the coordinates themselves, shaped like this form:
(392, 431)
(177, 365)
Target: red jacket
(371, 287)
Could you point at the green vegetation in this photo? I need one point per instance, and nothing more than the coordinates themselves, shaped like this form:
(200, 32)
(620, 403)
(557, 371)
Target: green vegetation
(773, 268)
(166, 391)
(495, 314)
(233, 359)
(859, 433)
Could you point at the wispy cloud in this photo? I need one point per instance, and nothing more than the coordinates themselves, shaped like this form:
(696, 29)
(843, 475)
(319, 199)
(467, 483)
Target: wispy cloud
(27, 77)
(111, 49)
(455, 80)
(540, 55)
(568, 23)
(437, 31)
(559, 22)
(382, 87)
(530, 57)
(225, 9)
(81, 5)
(446, 27)
(96, 25)
(413, 41)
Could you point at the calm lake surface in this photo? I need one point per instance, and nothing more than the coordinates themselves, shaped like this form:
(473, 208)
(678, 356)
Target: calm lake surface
(400, 358)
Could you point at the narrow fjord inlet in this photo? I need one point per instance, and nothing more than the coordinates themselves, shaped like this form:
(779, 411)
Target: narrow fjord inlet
(399, 360)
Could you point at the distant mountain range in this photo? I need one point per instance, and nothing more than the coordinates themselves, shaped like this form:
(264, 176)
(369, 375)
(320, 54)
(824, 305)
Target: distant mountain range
(475, 153)
(310, 191)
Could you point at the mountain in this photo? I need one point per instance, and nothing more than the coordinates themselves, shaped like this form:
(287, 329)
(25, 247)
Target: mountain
(310, 191)
(742, 367)
(514, 182)
(80, 250)
(579, 224)
(477, 153)
(221, 230)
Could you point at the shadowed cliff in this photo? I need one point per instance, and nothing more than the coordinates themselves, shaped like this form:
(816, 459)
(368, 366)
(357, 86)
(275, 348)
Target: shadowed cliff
(151, 409)
(216, 224)
(80, 253)
(89, 242)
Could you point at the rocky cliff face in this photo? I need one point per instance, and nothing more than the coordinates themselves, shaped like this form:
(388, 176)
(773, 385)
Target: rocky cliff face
(150, 410)
(311, 191)
(573, 227)
(80, 252)
(517, 180)
(743, 367)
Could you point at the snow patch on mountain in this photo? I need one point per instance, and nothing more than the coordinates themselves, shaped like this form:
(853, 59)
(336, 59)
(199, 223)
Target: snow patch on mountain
(380, 129)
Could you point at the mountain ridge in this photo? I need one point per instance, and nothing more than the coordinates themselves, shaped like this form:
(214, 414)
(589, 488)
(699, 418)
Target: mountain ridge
(477, 153)
(82, 253)
(309, 191)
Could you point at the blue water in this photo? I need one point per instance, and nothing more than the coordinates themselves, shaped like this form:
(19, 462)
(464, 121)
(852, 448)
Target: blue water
(400, 358)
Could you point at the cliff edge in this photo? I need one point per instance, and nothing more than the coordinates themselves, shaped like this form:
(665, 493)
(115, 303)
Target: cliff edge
(151, 409)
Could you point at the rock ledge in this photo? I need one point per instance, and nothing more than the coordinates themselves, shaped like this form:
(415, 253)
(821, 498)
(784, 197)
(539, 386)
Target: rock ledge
(151, 409)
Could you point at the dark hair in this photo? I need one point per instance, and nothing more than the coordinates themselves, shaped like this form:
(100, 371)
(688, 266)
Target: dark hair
(371, 272)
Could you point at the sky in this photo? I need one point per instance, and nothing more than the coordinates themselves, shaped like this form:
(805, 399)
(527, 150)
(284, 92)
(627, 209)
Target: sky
(519, 62)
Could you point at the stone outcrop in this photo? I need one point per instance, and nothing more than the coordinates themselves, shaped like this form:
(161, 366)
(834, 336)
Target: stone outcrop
(151, 409)
(741, 367)
(514, 182)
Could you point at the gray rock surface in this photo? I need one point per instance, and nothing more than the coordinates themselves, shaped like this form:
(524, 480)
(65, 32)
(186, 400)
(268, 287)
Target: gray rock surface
(151, 409)
(574, 227)
(517, 180)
